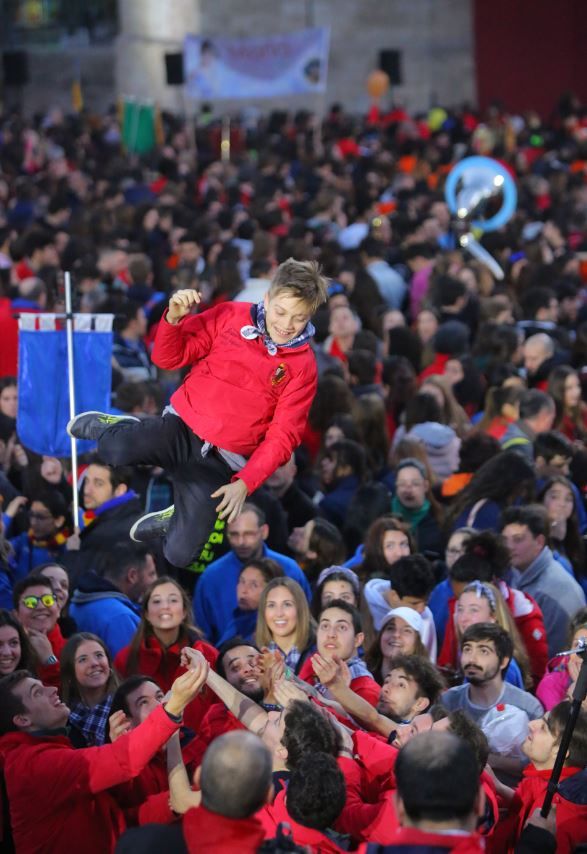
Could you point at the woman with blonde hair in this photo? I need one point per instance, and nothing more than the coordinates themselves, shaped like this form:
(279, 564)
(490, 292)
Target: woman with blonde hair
(88, 683)
(155, 649)
(482, 602)
(285, 623)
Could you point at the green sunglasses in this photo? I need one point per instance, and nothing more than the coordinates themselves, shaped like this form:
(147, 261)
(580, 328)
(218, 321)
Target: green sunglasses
(48, 599)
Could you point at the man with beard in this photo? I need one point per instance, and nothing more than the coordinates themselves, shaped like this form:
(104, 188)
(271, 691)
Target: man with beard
(410, 688)
(238, 664)
(485, 654)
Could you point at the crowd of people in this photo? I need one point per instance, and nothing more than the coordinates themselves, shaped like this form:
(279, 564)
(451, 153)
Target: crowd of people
(330, 557)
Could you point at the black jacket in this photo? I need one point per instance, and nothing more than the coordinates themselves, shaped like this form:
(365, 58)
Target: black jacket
(109, 529)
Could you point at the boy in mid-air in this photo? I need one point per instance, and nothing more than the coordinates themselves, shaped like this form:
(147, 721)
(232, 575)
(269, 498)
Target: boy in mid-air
(238, 415)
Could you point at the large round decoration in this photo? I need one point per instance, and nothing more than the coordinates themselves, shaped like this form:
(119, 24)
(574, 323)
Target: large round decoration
(477, 178)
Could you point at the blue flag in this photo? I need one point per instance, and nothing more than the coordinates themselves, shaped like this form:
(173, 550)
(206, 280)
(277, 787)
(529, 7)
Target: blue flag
(43, 391)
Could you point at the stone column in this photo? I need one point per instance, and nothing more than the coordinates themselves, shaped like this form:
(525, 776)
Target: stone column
(148, 30)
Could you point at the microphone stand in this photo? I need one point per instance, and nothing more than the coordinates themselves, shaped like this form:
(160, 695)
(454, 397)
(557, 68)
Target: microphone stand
(579, 695)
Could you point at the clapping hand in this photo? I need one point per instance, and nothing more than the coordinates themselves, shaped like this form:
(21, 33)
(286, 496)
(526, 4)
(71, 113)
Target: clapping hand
(331, 671)
(271, 665)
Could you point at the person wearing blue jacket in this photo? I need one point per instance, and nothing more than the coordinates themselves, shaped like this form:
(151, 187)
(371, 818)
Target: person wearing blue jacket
(107, 605)
(46, 538)
(215, 600)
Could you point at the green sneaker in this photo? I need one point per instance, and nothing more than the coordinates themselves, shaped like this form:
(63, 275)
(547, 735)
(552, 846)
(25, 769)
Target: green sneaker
(91, 425)
(152, 526)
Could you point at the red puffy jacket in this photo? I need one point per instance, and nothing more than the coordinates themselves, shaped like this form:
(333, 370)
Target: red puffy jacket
(209, 832)
(273, 814)
(217, 721)
(58, 795)
(571, 813)
(237, 396)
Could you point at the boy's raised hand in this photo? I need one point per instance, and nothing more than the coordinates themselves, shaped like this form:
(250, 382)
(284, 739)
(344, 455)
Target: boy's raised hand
(181, 303)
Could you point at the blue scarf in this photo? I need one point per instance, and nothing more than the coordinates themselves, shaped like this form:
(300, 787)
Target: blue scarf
(88, 516)
(260, 329)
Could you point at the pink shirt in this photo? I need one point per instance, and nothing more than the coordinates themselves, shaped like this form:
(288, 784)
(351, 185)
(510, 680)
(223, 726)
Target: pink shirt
(552, 688)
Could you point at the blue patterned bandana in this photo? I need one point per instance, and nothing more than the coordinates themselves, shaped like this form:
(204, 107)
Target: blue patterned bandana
(259, 329)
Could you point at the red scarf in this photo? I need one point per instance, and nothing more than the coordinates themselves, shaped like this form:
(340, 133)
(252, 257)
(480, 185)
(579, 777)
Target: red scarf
(52, 544)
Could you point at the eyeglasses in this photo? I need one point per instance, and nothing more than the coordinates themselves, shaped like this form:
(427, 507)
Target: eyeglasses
(43, 517)
(48, 600)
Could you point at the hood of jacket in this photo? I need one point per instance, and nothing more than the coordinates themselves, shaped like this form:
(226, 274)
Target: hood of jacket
(434, 435)
(92, 587)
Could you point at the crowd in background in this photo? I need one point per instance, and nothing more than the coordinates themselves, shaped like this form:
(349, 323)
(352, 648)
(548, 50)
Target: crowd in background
(417, 565)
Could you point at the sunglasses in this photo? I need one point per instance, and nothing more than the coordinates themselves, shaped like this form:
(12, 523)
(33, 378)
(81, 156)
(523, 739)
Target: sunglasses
(48, 599)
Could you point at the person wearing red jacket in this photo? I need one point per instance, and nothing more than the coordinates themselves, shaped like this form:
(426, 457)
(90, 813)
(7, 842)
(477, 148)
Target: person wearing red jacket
(38, 610)
(237, 663)
(311, 804)
(340, 634)
(67, 789)
(232, 784)
(155, 650)
(377, 762)
(430, 813)
(239, 414)
(541, 748)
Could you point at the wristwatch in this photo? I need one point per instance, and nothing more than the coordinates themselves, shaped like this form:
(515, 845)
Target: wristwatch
(52, 660)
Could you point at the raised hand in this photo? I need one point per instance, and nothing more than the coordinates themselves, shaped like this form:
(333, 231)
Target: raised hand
(186, 686)
(15, 505)
(191, 658)
(325, 669)
(271, 666)
(181, 303)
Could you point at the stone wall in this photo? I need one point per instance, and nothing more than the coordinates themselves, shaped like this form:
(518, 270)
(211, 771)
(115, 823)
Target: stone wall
(51, 74)
(433, 36)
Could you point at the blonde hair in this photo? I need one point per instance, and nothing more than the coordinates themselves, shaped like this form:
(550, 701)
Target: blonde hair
(303, 280)
(304, 622)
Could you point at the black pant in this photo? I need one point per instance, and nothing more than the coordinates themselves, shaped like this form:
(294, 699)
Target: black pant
(168, 442)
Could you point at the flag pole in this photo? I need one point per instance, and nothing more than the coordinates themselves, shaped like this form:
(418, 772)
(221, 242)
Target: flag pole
(71, 384)
(225, 140)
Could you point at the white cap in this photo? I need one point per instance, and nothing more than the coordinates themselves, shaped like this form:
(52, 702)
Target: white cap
(411, 617)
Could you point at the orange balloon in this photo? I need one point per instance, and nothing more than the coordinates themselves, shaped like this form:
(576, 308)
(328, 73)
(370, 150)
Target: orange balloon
(377, 84)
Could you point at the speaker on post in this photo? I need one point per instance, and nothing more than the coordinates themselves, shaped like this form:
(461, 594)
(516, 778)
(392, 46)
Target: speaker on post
(15, 68)
(390, 62)
(174, 69)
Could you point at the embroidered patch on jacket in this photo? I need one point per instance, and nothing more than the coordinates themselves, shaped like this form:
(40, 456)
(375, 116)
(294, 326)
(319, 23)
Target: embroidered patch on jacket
(279, 374)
